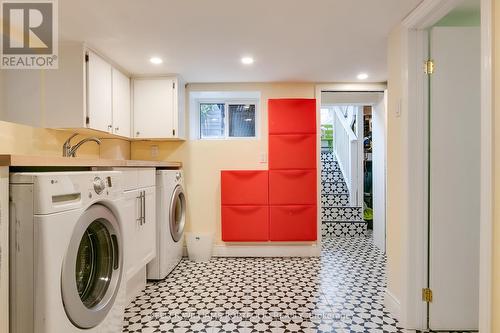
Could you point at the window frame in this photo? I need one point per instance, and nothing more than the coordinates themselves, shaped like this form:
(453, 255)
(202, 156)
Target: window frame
(227, 102)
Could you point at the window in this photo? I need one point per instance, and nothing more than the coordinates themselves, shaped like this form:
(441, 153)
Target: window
(224, 115)
(219, 120)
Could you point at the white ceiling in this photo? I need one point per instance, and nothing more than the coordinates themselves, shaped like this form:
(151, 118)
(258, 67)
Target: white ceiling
(203, 40)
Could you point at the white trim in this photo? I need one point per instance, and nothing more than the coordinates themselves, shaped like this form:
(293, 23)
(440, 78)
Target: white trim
(414, 229)
(392, 304)
(259, 250)
(486, 219)
(429, 12)
(361, 87)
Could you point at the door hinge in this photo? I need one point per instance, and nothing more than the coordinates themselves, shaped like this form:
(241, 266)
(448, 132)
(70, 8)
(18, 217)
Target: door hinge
(173, 132)
(427, 295)
(429, 67)
(86, 57)
(87, 120)
(173, 85)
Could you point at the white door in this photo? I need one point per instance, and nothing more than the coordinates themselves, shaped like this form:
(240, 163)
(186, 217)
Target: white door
(379, 117)
(153, 108)
(454, 178)
(121, 104)
(99, 94)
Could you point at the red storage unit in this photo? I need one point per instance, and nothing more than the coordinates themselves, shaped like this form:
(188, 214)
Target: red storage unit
(292, 151)
(245, 223)
(279, 204)
(293, 223)
(292, 187)
(287, 116)
(244, 187)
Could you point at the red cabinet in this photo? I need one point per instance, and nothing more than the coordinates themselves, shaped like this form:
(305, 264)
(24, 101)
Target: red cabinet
(292, 187)
(293, 223)
(278, 204)
(288, 116)
(292, 151)
(244, 187)
(245, 223)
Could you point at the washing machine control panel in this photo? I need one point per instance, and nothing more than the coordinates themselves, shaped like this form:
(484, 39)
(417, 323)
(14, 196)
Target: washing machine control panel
(178, 176)
(99, 185)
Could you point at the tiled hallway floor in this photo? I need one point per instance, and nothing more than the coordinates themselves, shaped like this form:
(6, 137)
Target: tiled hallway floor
(342, 291)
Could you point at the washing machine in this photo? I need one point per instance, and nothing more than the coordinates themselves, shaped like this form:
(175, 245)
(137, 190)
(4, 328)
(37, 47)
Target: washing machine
(170, 221)
(66, 252)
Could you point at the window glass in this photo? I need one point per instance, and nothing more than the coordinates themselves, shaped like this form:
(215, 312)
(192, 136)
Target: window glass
(212, 122)
(241, 120)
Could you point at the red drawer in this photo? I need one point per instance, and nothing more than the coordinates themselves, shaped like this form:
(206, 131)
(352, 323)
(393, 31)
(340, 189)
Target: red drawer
(293, 223)
(292, 151)
(244, 187)
(245, 223)
(288, 116)
(292, 187)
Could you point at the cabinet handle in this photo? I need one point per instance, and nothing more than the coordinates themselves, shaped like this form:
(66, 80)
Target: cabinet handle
(110, 128)
(140, 208)
(117, 129)
(137, 133)
(144, 207)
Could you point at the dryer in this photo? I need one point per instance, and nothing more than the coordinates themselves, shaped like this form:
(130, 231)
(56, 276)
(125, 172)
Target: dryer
(66, 252)
(170, 222)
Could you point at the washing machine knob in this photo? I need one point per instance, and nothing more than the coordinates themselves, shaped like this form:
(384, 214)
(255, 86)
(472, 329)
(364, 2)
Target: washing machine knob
(178, 176)
(99, 185)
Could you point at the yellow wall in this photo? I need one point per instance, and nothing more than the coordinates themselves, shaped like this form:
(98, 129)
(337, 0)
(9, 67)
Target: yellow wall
(26, 140)
(396, 198)
(204, 159)
(496, 171)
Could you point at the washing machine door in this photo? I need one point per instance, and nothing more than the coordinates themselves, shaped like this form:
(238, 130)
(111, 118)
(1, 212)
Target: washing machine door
(92, 267)
(177, 213)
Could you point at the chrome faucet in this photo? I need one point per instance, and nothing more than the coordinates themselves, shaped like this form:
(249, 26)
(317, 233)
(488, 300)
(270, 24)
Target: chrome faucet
(70, 151)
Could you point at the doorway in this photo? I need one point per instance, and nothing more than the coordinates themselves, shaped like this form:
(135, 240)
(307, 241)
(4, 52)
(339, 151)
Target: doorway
(448, 108)
(353, 164)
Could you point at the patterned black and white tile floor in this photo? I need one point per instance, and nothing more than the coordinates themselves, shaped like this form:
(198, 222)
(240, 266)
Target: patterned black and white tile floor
(341, 291)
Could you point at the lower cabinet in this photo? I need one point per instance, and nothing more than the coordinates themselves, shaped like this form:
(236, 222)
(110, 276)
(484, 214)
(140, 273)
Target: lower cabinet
(245, 223)
(293, 223)
(138, 226)
(139, 229)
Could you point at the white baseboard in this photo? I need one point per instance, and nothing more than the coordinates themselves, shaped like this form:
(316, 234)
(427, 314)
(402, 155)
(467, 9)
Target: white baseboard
(392, 304)
(237, 250)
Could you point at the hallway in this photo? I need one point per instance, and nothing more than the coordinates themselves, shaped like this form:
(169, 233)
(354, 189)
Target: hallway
(342, 291)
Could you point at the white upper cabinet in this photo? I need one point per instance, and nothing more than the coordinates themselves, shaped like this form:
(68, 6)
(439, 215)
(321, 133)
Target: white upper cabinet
(121, 104)
(158, 108)
(99, 93)
(87, 91)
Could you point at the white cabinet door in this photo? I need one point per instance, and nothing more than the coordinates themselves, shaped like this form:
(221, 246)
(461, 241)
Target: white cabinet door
(153, 108)
(148, 230)
(99, 94)
(121, 104)
(139, 229)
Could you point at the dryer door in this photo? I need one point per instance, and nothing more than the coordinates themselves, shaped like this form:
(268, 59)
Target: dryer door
(177, 213)
(92, 267)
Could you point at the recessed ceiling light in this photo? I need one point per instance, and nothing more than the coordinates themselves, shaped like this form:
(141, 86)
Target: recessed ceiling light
(156, 60)
(247, 60)
(362, 76)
